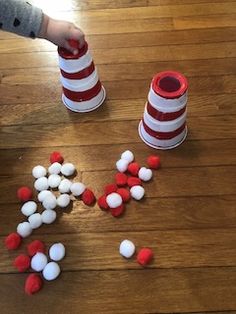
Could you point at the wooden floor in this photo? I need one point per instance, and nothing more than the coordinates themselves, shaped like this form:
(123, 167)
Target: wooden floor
(188, 216)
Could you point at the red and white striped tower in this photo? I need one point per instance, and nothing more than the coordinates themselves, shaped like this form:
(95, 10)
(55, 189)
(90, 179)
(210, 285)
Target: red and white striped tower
(164, 120)
(82, 89)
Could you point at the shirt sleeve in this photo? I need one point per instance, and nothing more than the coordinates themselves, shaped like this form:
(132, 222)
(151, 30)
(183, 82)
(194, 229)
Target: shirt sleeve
(20, 17)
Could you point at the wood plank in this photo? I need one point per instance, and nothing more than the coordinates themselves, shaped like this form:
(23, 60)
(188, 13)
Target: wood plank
(138, 291)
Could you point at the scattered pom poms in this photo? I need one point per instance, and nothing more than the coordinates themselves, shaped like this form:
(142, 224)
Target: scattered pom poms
(43, 194)
(121, 179)
(102, 203)
(41, 184)
(13, 241)
(110, 188)
(39, 171)
(122, 165)
(88, 197)
(145, 174)
(125, 194)
(57, 252)
(35, 220)
(36, 247)
(33, 284)
(127, 248)
(154, 162)
(24, 193)
(127, 155)
(39, 261)
(24, 229)
(68, 169)
(56, 157)
(55, 168)
(22, 262)
(64, 186)
(114, 200)
(77, 188)
(145, 256)
(132, 181)
(54, 180)
(51, 271)
(29, 208)
(118, 211)
(133, 168)
(63, 200)
(137, 192)
(48, 216)
(50, 202)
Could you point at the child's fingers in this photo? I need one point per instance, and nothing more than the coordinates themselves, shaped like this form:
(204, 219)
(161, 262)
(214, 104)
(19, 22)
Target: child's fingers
(78, 35)
(71, 49)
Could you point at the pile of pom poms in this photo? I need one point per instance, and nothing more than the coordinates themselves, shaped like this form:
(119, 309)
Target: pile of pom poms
(128, 183)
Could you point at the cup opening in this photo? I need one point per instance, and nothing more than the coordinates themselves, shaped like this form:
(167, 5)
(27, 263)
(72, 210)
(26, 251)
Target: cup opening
(169, 84)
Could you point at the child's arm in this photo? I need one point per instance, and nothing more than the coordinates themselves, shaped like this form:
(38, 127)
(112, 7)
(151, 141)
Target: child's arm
(21, 18)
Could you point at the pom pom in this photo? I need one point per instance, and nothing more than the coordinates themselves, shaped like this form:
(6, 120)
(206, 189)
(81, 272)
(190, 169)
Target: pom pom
(133, 168)
(154, 162)
(145, 256)
(48, 216)
(110, 188)
(24, 193)
(127, 155)
(114, 200)
(55, 168)
(64, 186)
(145, 174)
(35, 221)
(132, 181)
(43, 194)
(88, 197)
(102, 203)
(121, 179)
(29, 208)
(41, 184)
(57, 252)
(51, 271)
(63, 200)
(54, 180)
(36, 247)
(39, 171)
(118, 211)
(24, 229)
(33, 284)
(122, 165)
(127, 248)
(77, 188)
(22, 262)
(39, 261)
(13, 241)
(50, 202)
(137, 192)
(68, 169)
(56, 157)
(125, 194)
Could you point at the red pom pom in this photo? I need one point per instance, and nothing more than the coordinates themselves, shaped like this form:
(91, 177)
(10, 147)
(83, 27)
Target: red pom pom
(125, 194)
(133, 168)
(74, 43)
(88, 197)
(22, 262)
(145, 256)
(33, 284)
(154, 162)
(56, 157)
(24, 193)
(132, 181)
(116, 212)
(13, 241)
(110, 188)
(102, 203)
(121, 179)
(35, 247)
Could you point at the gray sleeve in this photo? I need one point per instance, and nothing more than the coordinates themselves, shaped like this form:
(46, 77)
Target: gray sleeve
(20, 17)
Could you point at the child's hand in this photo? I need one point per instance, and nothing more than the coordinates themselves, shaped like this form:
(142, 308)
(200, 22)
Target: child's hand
(59, 32)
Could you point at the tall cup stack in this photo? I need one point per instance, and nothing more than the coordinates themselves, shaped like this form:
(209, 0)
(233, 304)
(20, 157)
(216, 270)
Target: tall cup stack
(163, 125)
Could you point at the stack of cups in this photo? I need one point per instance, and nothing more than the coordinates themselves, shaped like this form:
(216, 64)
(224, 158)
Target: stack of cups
(164, 121)
(82, 89)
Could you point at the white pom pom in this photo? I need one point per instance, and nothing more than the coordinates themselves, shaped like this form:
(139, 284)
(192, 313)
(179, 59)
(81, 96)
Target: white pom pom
(57, 252)
(127, 248)
(51, 271)
(48, 216)
(114, 200)
(39, 171)
(24, 229)
(39, 261)
(127, 155)
(50, 202)
(41, 184)
(55, 168)
(43, 194)
(64, 186)
(68, 169)
(122, 165)
(145, 174)
(63, 200)
(29, 208)
(137, 192)
(35, 221)
(54, 180)
(77, 188)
